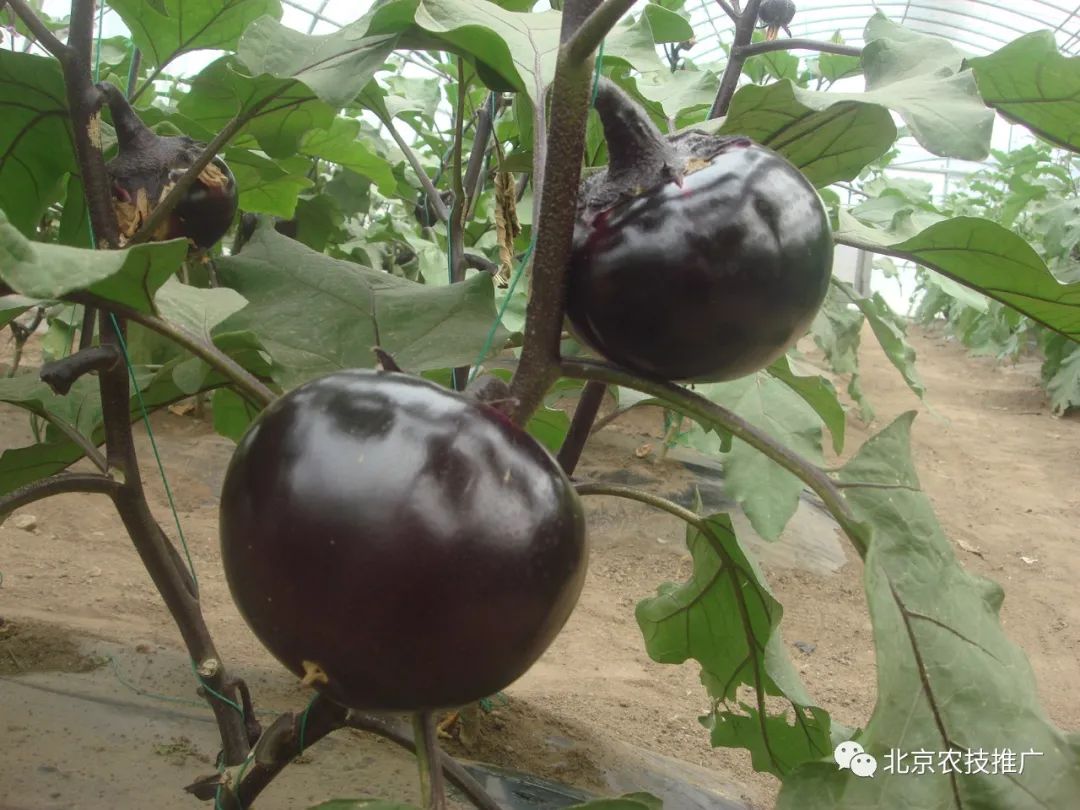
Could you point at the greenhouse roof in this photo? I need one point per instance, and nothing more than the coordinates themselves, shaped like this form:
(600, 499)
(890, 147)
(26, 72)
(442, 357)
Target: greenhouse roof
(977, 26)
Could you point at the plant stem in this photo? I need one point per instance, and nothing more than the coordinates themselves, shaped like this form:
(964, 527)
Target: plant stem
(437, 204)
(619, 491)
(592, 397)
(596, 26)
(59, 484)
(247, 384)
(744, 31)
(731, 12)
(709, 413)
(755, 48)
(538, 367)
(428, 757)
(456, 225)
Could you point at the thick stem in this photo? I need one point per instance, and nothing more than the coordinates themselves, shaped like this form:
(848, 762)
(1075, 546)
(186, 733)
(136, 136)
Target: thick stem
(437, 204)
(156, 552)
(245, 383)
(744, 31)
(59, 484)
(731, 12)
(620, 491)
(428, 757)
(592, 397)
(755, 48)
(456, 225)
(709, 413)
(538, 367)
(596, 26)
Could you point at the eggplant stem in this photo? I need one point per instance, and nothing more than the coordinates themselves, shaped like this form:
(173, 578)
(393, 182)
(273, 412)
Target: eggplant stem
(432, 783)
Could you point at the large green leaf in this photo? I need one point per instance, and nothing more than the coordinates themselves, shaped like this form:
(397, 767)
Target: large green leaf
(314, 314)
(265, 187)
(35, 144)
(334, 66)
(828, 139)
(986, 257)
(280, 111)
(127, 277)
(921, 77)
(165, 29)
(1030, 82)
(837, 330)
(12, 306)
(726, 619)
(341, 143)
(767, 492)
(948, 677)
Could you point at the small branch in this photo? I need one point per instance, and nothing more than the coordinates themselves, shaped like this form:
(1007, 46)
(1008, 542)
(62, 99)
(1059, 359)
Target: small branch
(474, 179)
(78, 438)
(755, 48)
(455, 230)
(744, 31)
(580, 427)
(454, 771)
(40, 31)
(59, 484)
(428, 756)
(246, 383)
(60, 375)
(709, 413)
(188, 179)
(597, 25)
(475, 261)
(437, 204)
(731, 12)
(663, 504)
(557, 201)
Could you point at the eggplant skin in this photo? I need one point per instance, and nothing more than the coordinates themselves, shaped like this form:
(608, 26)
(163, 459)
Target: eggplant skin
(416, 546)
(706, 281)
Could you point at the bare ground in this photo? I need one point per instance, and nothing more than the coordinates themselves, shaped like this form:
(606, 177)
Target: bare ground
(1000, 470)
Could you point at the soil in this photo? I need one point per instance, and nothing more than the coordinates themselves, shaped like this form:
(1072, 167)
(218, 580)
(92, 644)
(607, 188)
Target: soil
(595, 712)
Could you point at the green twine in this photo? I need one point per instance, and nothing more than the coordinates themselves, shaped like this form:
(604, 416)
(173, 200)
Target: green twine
(303, 723)
(218, 695)
(528, 253)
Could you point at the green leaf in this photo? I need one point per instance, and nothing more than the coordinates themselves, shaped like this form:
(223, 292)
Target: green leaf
(948, 677)
(920, 77)
(265, 187)
(334, 66)
(12, 306)
(165, 29)
(198, 310)
(837, 330)
(1030, 83)
(890, 331)
(340, 143)
(834, 66)
(775, 64)
(314, 314)
(767, 492)
(819, 394)
(667, 26)
(986, 257)
(35, 143)
(828, 140)
(128, 277)
(232, 414)
(281, 110)
(520, 48)
(727, 620)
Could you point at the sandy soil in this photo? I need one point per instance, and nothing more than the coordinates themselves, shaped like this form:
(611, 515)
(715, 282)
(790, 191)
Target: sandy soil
(999, 468)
